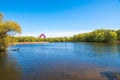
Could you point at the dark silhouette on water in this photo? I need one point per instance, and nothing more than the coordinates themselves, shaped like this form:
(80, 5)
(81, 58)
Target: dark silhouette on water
(111, 75)
(18, 49)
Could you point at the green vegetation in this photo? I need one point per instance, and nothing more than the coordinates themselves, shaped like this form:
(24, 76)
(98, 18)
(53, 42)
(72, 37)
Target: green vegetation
(7, 30)
(100, 35)
(35, 39)
(118, 34)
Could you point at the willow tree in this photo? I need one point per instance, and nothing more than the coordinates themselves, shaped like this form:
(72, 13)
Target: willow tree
(7, 31)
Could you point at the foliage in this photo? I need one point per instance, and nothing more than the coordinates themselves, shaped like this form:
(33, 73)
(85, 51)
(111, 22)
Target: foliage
(7, 30)
(37, 39)
(118, 34)
(99, 35)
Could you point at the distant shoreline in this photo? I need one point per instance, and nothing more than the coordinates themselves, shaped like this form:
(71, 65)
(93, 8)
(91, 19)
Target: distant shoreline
(31, 42)
(117, 42)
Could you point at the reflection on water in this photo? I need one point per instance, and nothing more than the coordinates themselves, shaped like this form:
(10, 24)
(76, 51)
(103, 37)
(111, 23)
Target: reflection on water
(9, 70)
(98, 47)
(102, 48)
(62, 61)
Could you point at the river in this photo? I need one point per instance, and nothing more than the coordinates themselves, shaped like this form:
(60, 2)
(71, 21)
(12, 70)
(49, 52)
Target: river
(61, 61)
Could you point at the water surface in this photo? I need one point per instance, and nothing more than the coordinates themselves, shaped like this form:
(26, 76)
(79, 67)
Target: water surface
(61, 61)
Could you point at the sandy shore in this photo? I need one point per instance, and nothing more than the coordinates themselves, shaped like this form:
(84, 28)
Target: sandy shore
(31, 42)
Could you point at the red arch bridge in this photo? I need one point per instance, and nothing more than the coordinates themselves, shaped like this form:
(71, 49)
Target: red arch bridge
(42, 36)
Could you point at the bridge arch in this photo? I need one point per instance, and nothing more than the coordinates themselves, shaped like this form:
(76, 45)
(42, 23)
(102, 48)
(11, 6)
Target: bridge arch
(42, 35)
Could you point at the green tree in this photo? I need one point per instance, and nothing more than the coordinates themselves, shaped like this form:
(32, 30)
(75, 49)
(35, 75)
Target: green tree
(7, 30)
(110, 36)
(118, 34)
(99, 35)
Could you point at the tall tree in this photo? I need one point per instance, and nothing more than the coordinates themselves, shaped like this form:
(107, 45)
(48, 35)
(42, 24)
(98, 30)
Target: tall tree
(7, 30)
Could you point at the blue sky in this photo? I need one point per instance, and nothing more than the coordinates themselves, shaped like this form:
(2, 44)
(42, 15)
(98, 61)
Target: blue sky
(62, 17)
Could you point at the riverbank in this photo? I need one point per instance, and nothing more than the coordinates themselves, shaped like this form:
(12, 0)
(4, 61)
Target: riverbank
(31, 42)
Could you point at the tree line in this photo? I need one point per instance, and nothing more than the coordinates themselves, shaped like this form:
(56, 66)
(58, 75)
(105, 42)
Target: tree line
(38, 39)
(99, 35)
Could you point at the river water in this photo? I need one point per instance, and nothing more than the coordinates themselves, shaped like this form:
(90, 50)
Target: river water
(61, 61)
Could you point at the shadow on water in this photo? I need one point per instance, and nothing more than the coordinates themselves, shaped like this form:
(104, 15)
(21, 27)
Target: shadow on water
(9, 68)
(111, 75)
